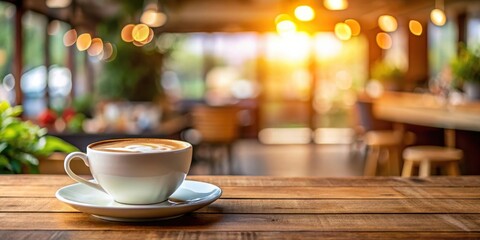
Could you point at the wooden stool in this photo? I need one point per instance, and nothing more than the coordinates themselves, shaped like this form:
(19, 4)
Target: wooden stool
(424, 156)
(383, 149)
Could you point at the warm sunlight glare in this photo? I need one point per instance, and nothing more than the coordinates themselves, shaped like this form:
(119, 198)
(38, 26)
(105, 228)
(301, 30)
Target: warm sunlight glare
(335, 4)
(293, 47)
(286, 27)
(304, 13)
(281, 17)
(327, 46)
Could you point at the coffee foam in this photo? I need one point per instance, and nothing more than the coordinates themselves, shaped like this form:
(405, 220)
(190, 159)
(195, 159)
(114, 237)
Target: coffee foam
(136, 146)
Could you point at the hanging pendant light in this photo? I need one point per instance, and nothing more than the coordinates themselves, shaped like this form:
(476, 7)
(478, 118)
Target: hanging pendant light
(437, 15)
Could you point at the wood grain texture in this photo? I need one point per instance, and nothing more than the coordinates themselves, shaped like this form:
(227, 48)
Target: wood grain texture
(248, 181)
(272, 206)
(291, 192)
(252, 222)
(230, 235)
(264, 208)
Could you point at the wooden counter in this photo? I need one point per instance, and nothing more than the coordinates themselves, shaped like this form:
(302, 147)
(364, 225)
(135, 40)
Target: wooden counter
(264, 208)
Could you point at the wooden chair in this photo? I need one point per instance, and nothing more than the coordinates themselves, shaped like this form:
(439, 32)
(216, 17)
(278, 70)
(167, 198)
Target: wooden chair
(218, 129)
(383, 143)
(426, 156)
(383, 151)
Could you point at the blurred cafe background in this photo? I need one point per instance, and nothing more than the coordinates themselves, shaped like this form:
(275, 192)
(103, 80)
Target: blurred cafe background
(259, 87)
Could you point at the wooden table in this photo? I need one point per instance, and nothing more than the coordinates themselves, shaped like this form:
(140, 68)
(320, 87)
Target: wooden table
(264, 208)
(461, 122)
(427, 110)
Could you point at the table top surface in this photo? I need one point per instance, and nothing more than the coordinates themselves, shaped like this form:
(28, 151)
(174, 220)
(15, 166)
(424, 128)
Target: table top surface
(264, 208)
(427, 110)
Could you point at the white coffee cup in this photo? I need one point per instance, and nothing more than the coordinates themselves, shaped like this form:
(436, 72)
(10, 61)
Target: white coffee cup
(137, 170)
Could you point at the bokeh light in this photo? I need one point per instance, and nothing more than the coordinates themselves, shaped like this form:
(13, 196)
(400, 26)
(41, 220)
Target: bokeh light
(151, 34)
(3, 57)
(58, 3)
(343, 31)
(107, 50)
(70, 37)
(153, 18)
(84, 41)
(53, 27)
(304, 13)
(415, 27)
(384, 41)
(354, 26)
(335, 4)
(107, 56)
(286, 27)
(438, 17)
(281, 17)
(140, 32)
(138, 44)
(96, 47)
(327, 46)
(387, 23)
(126, 33)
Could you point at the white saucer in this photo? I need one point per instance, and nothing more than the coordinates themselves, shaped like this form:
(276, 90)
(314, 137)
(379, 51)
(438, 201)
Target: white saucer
(190, 196)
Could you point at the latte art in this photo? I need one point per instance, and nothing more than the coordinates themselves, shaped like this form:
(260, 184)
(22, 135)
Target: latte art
(137, 146)
(141, 148)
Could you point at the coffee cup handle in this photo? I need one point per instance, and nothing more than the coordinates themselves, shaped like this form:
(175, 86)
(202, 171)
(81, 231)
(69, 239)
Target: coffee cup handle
(74, 176)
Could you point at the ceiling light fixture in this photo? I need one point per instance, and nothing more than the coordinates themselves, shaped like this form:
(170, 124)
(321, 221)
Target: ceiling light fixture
(304, 13)
(387, 23)
(437, 15)
(335, 4)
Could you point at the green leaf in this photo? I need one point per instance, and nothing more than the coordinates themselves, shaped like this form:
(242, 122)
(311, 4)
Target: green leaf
(54, 144)
(4, 163)
(16, 166)
(3, 146)
(4, 105)
(26, 158)
(14, 111)
(22, 141)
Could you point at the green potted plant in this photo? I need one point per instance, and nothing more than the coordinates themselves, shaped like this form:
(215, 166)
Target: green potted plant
(22, 142)
(388, 74)
(466, 72)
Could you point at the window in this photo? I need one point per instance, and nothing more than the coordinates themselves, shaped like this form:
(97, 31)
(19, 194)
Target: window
(182, 76)
(34, 76)
(7, 86)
